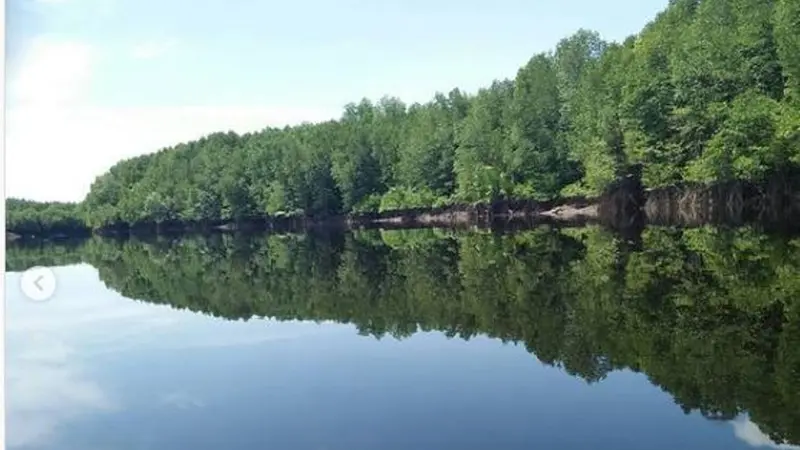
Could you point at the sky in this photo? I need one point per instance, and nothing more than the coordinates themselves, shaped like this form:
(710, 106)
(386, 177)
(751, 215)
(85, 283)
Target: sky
(92, 82)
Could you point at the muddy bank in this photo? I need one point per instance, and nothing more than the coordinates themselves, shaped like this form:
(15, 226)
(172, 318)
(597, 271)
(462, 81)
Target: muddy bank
(572, 211)
(773, 204)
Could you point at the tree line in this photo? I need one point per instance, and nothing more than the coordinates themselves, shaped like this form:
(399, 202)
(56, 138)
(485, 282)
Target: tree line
(28, 217)
(712, 316)
(709, 91)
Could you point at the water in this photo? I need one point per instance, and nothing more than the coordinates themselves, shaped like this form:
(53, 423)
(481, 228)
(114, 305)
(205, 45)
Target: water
(410, 339)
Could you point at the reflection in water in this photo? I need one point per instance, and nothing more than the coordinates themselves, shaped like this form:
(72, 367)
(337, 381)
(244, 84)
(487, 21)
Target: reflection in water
(46, 378)
(57, 380)
(47, 389)
(711, 316)
(750, 433)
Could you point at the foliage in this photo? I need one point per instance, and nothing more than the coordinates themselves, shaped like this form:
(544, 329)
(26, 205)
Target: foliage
(24, 217)
(708, 91)
(399, 198)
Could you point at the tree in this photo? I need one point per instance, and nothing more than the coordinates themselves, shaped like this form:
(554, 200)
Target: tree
(707, 91)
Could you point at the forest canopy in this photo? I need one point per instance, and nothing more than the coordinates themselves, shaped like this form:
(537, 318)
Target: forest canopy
(709, 91)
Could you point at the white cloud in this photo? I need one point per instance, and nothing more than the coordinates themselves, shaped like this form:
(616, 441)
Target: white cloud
(57, 142)
(747, 431)
(181, 400)
(51, 74)
(152, 49)
(279, 332)
(55, 154)
(50, 354)
(47, 389)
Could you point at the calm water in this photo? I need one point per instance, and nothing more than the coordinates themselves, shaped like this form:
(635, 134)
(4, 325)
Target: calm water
(410, 340)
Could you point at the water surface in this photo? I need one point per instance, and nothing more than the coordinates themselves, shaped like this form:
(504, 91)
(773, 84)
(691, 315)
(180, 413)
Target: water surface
(410, 339)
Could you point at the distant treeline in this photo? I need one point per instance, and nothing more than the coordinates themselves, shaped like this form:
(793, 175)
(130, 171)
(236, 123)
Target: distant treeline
(710, 315)
(708, 92)
(26, 217)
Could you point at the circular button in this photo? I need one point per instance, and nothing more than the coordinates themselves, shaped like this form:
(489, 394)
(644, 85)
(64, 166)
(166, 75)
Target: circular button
(38, 283)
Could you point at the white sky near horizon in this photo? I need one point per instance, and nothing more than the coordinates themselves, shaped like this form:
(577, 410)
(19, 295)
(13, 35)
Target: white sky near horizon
(91, 82)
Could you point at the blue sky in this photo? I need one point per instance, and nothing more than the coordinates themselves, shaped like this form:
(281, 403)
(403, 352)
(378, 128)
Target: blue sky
(94, 81)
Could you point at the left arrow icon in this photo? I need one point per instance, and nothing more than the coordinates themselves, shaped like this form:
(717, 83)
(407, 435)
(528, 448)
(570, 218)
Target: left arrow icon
(38, 283)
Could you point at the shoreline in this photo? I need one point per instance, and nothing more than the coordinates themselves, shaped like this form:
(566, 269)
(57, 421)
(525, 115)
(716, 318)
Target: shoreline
(626, 207)
(567, 212)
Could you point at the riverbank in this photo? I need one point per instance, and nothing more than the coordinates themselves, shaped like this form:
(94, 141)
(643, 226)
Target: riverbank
(625, 206)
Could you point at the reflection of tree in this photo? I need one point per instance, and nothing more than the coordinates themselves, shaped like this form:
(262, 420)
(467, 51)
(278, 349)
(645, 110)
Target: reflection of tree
(709, 315)
(26, 254)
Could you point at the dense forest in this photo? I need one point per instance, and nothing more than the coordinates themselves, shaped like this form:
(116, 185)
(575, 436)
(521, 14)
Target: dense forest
(709, 91)
(712, 316)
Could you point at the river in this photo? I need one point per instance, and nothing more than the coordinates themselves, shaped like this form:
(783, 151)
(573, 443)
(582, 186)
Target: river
(409, 339)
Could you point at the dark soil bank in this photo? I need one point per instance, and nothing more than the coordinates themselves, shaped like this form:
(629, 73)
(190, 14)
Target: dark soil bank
(775, 204)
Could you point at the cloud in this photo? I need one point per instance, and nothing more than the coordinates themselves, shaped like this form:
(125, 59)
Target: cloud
(181, 400)
(279, 332)
(52, 73)
(46, 389)
(749, 432)
(58, 141)
(51, 351)
(41, 144)
(152, 49)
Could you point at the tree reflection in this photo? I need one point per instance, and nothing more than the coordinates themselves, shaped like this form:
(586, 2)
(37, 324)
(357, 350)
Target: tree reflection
(710, 315)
